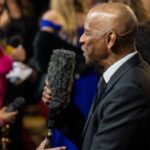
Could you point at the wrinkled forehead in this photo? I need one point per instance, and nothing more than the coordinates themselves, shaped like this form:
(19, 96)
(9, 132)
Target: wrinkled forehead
(100, 15)
(99, 19)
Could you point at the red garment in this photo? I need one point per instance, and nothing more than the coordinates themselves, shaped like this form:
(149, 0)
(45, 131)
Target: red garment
(5, 67)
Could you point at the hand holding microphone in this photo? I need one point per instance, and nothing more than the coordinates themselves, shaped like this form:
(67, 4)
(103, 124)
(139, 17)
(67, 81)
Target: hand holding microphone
(7, 116)
(47, 93)
(58, 85)
(8, 113)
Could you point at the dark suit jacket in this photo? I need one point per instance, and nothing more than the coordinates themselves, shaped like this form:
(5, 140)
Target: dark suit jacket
(121, 118)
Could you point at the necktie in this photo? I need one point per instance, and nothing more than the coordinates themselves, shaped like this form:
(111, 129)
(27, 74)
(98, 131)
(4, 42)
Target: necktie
(100, 89)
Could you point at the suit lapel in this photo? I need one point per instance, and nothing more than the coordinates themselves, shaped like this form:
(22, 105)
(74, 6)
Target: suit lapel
(122, 71)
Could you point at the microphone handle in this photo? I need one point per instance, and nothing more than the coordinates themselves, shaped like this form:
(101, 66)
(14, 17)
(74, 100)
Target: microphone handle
(50, 124)
(49, 139)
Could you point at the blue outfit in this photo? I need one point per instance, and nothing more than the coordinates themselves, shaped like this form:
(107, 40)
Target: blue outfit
(46, 23)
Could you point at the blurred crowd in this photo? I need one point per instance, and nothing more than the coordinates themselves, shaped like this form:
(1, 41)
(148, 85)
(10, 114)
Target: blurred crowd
(30, 31)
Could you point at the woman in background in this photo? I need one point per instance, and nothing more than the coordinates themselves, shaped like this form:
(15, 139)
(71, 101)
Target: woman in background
(59, 28)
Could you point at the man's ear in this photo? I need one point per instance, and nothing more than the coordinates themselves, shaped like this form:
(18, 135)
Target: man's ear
(110, 39)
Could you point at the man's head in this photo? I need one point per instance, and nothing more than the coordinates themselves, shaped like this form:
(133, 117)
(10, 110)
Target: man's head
(109, 34)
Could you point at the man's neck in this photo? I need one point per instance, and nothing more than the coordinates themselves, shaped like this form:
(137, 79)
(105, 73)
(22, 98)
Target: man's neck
(114, 57)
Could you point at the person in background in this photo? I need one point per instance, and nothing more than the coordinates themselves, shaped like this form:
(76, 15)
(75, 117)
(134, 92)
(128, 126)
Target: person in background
(91, 3)
(18, 18)
(59, 24)
(138, 8)
(143, 34)
(17, 36)
(17, 42)
(119, 116)
(5, 66)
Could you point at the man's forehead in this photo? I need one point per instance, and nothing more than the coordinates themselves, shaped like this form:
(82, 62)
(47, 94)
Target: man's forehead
(97, 19)
(101, 15)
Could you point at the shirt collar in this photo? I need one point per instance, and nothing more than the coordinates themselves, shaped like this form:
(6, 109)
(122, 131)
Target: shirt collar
(113, 68)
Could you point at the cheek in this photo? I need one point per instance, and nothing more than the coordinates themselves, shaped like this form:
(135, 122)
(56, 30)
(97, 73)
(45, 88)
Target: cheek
(93, 47)
(99, 50)
(90, 45)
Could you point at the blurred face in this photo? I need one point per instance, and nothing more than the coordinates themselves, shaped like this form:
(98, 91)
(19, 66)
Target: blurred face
(93, 40)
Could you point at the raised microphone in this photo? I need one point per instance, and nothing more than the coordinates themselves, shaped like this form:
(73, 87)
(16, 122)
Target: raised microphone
(16, 104)
(60, 78)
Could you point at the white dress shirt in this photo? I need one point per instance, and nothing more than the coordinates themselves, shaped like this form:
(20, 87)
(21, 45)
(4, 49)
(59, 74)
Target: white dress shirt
(113, 68)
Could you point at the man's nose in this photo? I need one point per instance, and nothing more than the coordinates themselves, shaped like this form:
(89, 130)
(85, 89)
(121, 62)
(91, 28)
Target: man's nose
(82, 39)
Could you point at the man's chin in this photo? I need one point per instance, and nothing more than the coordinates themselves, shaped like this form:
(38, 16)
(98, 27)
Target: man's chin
(90, 63)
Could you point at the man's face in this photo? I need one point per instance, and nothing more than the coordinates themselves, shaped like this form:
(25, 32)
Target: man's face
(93, 40)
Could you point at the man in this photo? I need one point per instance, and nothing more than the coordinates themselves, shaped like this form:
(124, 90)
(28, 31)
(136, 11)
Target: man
(120, 115)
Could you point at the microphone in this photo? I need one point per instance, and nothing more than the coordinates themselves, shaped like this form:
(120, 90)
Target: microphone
(13, 106)
(16, 104)
(60, 77)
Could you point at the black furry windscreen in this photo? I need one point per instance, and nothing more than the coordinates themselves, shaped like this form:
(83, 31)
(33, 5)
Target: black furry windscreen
(60, 77)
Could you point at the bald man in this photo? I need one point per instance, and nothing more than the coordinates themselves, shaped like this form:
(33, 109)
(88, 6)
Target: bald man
(119, 118)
